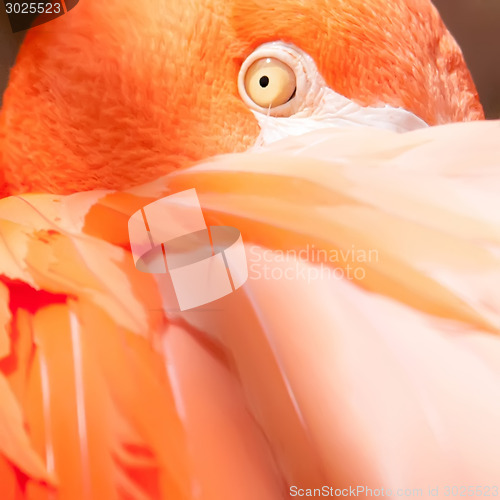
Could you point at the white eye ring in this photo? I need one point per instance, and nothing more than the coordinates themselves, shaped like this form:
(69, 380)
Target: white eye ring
(296, 60)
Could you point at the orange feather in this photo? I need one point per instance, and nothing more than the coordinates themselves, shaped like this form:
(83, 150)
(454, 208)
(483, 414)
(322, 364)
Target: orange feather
(388, 380)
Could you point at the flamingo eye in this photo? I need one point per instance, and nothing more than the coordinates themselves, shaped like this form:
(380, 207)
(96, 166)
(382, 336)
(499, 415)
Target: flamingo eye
(279, 80)
(269, 82)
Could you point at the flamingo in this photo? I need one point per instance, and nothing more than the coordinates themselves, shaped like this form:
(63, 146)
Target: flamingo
(346, 142)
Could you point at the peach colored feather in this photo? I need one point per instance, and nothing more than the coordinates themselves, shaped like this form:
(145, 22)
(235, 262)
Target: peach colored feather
(388, 381)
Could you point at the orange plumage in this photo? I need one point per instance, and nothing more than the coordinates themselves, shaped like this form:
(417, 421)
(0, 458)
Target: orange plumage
(108, 391)
(153, 84)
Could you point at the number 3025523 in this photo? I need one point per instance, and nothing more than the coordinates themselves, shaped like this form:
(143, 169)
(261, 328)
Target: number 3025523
(478, 491)
(33, 8)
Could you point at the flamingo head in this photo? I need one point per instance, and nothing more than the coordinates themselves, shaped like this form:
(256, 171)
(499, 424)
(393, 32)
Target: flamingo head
(118, 93)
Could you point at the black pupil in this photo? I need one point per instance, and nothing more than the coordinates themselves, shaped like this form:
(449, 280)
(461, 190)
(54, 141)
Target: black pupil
(264, 81)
